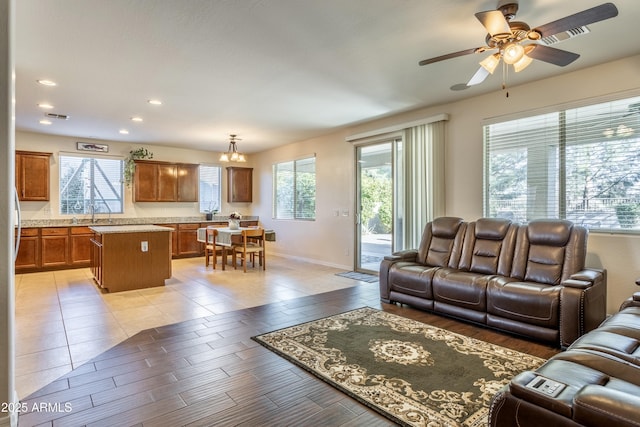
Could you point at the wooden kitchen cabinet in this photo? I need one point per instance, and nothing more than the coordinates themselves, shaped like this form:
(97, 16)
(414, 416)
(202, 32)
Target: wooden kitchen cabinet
(80, 246)
(165, 182)
(188, 182)
(145, 182)
(96, 257)
(131, 257)
(28, 258)
(32, 175)
(54, 247)
(188, 244)
(174, 238)
(239, 184)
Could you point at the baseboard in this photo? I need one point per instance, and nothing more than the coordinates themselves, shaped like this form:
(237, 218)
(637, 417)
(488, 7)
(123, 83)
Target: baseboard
(312, 261)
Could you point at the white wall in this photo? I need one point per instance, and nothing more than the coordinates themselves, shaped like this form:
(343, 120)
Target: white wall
(328, 239)
(325, 238)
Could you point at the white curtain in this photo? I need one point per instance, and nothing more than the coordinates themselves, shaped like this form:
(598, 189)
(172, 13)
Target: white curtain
(423, 166)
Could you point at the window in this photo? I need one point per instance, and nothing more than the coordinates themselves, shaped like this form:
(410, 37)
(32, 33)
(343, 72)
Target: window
(210, 188)
(90, 185)
(294, 189)
(580, 164)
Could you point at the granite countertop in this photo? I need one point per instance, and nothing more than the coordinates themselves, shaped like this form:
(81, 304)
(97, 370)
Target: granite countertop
(86, 222)
(106, 229)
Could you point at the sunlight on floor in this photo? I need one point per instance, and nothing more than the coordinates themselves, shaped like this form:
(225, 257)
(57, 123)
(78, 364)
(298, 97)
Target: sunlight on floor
(63, 319)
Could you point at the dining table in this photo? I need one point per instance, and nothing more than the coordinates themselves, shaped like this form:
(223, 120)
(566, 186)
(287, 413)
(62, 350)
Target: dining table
(227, 237)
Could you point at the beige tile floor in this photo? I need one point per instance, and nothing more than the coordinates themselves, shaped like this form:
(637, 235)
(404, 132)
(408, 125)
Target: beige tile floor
(63, 319)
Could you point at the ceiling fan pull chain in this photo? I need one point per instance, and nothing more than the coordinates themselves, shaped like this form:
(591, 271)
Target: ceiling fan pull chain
(505, 71)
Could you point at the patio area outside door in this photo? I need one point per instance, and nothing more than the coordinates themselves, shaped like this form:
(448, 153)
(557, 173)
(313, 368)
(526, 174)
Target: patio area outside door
(375, 210)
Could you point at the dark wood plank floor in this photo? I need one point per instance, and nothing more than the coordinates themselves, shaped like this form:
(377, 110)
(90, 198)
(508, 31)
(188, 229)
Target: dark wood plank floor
(208, 372)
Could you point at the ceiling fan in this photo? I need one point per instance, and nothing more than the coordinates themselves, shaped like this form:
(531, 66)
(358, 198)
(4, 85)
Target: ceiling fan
(517, 44)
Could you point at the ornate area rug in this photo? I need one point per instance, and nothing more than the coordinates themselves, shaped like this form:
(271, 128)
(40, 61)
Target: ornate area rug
(413, 373)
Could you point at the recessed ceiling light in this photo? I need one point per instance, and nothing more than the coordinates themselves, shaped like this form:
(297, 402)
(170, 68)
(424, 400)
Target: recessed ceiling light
(47, 82)
(45, 106)
(124, 131)
(45, 122)
(154, 102)
(136, 119)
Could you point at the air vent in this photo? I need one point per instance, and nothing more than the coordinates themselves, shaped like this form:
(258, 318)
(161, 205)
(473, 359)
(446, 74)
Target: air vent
(57, 116)
(565, 35)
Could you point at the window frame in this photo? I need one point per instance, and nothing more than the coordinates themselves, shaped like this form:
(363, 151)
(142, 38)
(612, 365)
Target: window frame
(297, 214)
(87, 207)
(578, 131)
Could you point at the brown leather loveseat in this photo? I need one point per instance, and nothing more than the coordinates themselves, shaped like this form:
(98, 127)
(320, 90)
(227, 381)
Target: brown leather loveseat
(527, 279)
(595, 382)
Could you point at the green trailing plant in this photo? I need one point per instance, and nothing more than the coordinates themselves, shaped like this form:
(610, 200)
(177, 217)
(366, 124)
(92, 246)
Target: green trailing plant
(130, 163)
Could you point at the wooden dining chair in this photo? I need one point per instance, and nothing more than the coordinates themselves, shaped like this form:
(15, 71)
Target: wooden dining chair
(252, 244)
(211, 249)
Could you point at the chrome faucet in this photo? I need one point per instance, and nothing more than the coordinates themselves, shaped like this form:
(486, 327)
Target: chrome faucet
(93, 213)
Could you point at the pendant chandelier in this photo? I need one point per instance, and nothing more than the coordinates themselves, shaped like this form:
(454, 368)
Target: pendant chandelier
(232, 154)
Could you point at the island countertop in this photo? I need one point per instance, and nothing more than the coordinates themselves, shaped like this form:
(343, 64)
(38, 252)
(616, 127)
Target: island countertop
(141, 228)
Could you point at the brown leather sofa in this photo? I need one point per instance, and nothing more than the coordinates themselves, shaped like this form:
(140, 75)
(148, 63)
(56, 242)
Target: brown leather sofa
(525, 279)
(595, 382)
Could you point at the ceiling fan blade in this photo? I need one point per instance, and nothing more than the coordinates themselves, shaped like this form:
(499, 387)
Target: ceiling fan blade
(586, 17)
(494, 21)
(553, 55)
(451, 55)
(478, 77)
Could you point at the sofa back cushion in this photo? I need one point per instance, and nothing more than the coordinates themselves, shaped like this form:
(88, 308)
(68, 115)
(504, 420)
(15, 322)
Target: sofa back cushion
(488, 246)
(441, 242)
(549, 251)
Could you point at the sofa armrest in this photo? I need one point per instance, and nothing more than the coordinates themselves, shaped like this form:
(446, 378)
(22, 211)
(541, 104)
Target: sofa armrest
(596, 405)
(578, 284)
(588, 275)
(583, 304)
(406, 255)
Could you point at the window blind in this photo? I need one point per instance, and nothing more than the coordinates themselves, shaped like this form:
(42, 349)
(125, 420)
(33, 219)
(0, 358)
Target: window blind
(294, 189)
(90, 184)
(210, 198)
(581, 164)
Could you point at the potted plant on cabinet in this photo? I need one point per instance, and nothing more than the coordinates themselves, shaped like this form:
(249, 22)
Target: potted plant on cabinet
(130, 163)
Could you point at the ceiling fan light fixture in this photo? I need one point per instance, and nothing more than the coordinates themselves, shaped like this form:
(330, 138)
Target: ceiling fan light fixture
(490, 63)
(512, 53)
(522, 63)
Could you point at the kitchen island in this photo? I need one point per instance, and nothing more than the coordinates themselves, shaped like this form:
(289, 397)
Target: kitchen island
(126, 257)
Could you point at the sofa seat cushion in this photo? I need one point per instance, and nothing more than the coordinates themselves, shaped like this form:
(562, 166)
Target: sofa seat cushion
(412, 279)
(461, 288)
(528, 302)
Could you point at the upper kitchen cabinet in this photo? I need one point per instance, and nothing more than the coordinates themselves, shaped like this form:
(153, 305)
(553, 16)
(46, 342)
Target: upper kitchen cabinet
(239, 184)
(32, 175)
(145, 182)
(165, 182)
(188, 182)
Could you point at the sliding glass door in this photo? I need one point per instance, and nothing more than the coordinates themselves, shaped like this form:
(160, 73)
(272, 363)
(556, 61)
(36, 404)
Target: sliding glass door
(376, 185)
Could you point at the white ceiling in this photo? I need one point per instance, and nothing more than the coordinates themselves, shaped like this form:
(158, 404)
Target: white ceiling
(271, 71)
